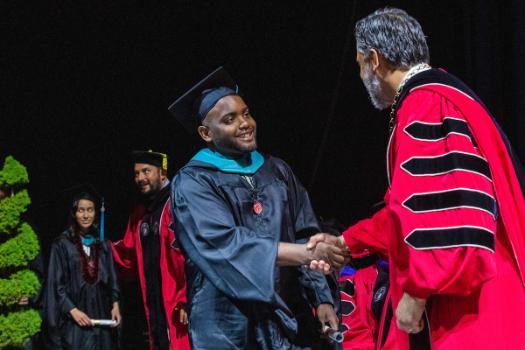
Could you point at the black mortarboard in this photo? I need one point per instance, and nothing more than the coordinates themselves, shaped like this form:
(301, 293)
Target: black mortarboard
(157, 159)
(82, 191)
(192, 107)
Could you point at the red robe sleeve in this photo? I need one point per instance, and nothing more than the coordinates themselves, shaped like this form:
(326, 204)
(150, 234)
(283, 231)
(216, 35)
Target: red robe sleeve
(177, 266)
(370, 236)
(442, 204)
(124, 252)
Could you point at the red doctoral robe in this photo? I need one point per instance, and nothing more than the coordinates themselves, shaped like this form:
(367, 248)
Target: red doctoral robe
(361, 329)
(454, 222)
(357, 320)
(128, 256)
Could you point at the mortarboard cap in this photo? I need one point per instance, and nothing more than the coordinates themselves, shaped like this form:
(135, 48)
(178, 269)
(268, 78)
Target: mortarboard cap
(81, 191)
(157, 159)
(192, 107)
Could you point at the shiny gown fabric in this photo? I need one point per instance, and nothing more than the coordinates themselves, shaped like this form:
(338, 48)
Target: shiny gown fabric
(238, 298)
(67, 288)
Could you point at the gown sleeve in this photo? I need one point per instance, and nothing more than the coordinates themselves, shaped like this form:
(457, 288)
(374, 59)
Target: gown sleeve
(56, 302)
(176, 262)
(371, 235)
(306, 224)
(442, 200)
(124, 253)
(238, 261)
(112, 273)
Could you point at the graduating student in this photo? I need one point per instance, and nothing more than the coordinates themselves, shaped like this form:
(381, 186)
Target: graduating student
(454, 221)
(241, 217)
(149, 252)
(81, 284)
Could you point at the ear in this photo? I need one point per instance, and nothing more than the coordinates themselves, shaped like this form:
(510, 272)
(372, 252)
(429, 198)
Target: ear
(204, 133)
(163, 174)
(373, 58)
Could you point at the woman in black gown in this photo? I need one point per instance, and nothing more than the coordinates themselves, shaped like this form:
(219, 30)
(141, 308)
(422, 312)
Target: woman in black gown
(81, 284)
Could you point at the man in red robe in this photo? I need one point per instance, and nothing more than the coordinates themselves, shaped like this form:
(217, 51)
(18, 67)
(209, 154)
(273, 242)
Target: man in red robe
(150, 252)
(454, 222)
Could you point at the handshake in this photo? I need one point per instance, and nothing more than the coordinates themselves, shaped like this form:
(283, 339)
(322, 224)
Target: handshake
(327, 252)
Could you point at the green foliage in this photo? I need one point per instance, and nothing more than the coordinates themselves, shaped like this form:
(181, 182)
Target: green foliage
(19, 246)
(10, 210)
(13, 173)
(19, 284)
(17, 327)
(20, 249)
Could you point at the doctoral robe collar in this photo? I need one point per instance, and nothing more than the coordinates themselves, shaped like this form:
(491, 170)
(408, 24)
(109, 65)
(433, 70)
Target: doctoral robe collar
(435, 76)
(245, 165)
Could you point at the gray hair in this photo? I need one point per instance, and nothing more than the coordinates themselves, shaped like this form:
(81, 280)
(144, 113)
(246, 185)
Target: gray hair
(397, 36)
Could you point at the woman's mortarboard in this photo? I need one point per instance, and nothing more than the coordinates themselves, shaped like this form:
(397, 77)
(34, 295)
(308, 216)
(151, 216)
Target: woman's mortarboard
(192, 107)
(81, 191)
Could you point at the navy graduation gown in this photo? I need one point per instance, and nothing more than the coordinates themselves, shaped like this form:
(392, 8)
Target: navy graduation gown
(67, 288)
(238, 298)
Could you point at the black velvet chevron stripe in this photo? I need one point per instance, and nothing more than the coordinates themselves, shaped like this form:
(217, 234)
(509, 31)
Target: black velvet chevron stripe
(451, 199)
(347, 287)
(433, 132)
(447, 163)
(343, 327)
(347, 307)
(451, 237)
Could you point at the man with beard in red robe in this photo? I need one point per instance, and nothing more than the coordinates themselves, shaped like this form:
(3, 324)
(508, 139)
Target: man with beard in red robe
(454, 221)
(150, 251)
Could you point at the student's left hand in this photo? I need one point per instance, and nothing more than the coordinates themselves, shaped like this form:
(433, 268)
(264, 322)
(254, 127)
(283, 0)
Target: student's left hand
(327, 314)
(115, 314)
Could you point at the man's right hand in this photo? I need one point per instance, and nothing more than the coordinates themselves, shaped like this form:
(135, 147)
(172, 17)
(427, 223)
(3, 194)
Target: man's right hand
(80, 318)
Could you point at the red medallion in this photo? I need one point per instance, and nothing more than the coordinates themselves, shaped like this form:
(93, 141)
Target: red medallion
(257, 208)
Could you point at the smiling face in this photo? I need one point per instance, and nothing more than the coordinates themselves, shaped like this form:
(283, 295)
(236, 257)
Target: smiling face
(148, 178)
(85, 214)
(229, 127)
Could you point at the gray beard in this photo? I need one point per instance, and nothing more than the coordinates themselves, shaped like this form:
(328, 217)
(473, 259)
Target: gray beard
(373, 87)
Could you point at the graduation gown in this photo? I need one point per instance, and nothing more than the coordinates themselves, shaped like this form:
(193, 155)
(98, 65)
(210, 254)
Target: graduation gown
(453, 225)
(229, 233)
(129, 257)
(66, 288)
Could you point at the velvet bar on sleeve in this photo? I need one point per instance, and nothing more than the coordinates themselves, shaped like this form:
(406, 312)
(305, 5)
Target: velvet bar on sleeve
(442, 199)
(456, 213)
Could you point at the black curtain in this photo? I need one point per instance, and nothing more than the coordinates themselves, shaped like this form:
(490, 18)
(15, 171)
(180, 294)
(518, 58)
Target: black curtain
(86, 82)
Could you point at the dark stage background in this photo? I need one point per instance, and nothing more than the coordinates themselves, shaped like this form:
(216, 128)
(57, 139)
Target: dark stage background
(86, 82)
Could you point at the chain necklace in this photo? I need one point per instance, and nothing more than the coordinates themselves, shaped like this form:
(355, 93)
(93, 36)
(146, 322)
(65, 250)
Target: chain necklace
(411, 72)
